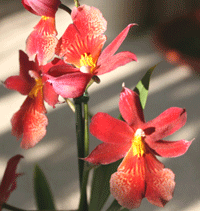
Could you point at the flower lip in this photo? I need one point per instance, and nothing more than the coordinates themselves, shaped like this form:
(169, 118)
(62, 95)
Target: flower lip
(87, 63)
(38, 86)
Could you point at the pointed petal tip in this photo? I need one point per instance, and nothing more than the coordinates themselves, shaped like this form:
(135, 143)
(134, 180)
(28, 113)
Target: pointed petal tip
(89, 159)
(123, 86)
(133, 24)
(15, 158)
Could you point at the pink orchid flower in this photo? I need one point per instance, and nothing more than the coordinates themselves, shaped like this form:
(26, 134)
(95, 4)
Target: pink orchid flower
(82, 42)
(8, 183)
(140, 174)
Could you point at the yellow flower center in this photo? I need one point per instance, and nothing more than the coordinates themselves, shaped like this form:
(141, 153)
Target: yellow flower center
(38, 86)
(138, 144)
(45, 18)
(87, 63)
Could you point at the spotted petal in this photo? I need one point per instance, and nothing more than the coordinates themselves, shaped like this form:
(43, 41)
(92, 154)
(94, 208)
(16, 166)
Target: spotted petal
(42, 41)
(127, 185)
(160, 187)
(127, 189)
(88, 20)
(30, 122)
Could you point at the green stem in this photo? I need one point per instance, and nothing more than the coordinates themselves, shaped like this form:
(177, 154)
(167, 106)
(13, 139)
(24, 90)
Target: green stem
(79, 136)
(9, 207)
(64, 7)
(83, 206)
(86, 128)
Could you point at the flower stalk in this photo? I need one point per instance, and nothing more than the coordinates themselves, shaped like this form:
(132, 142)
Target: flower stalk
(79, 135)
(65, 8)
(86, 128)
(82, 132)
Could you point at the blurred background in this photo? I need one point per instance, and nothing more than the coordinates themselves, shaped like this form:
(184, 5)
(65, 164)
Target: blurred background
(174, 84)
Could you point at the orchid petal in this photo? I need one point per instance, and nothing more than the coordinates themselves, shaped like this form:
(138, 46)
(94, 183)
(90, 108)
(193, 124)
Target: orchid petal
(110, 130)
(70, 36)
(25, 66)
(114, 45)
(57, 67)
(8, 183)
(19, 84)
(85, 35)
(34, 129)
(106, 153)
(30, 121)
(70, 85)
(127, 185)
(160, 186)
(115, 61)
(128, 189)
(165, 148)
(88, 20)
(42, 7)
(130, 108)
(22, 83)
(165, 124)
(71, 46)
(50, 96)
(42, 41)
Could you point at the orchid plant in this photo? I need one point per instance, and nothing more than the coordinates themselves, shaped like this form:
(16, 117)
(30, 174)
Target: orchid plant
(126, 163)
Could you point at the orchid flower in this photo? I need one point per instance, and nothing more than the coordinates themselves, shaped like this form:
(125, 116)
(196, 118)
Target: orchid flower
(140, 174)
(30, 121)
(42, 41)
(8, 183)
(82, 42)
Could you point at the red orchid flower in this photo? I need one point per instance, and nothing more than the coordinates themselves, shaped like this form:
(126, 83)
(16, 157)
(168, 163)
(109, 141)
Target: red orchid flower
(42, 41)
(140, 174)
(30, 120)
(8, 183)
(42, 7)
(82, 42)
(38, 83)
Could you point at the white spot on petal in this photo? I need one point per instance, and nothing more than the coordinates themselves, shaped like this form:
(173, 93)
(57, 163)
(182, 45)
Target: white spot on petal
(140, 132)
(85, 69)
